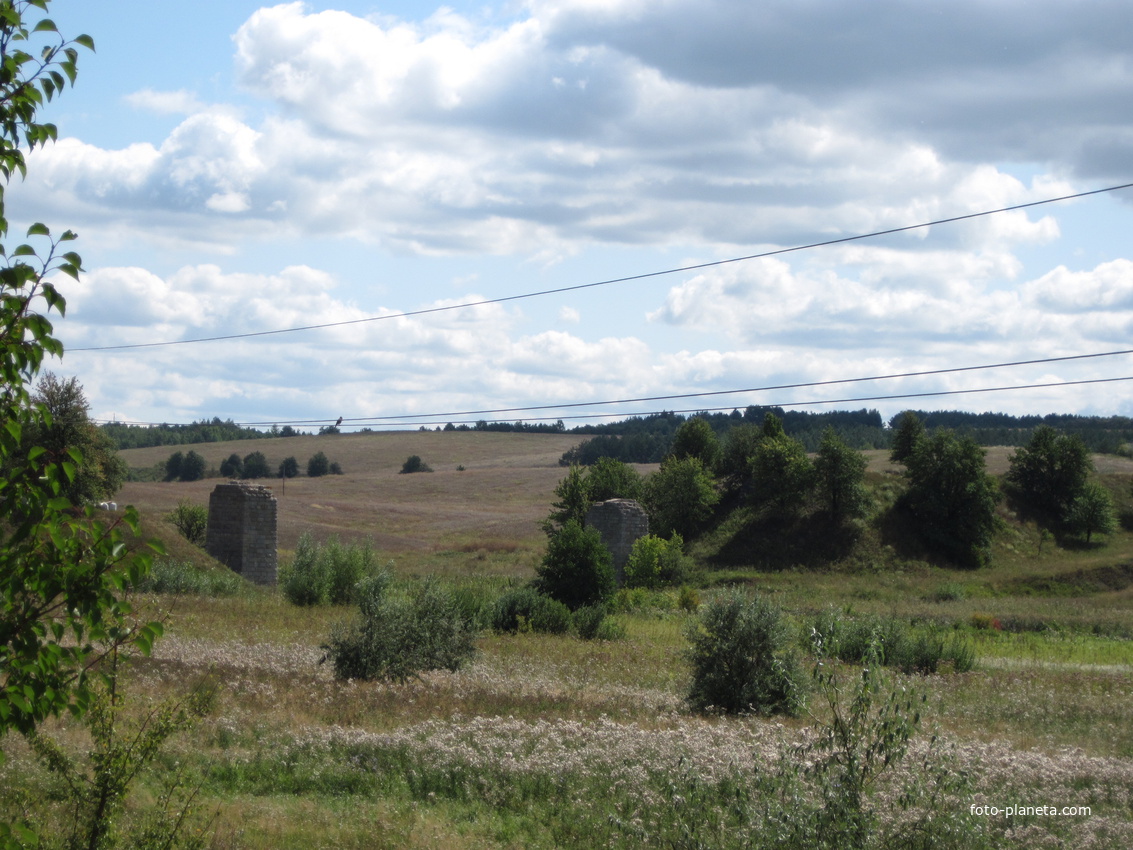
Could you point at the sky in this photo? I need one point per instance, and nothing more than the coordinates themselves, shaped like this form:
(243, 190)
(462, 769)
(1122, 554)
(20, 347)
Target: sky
(234, 168)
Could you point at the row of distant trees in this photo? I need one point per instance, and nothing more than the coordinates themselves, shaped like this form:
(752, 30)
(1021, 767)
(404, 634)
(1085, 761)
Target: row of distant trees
(190, 466)
(649, 439)
(945, 507)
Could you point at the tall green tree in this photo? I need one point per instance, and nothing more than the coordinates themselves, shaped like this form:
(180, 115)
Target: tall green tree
(62, 572)
(101, 472)
(908, 433)
(951, 498)
(695, 438)
(840, 473)
(232, 467)
(1092, 512)
(733, 464)
(679, 497)
(782, 476)
(571, 503)
(256, 465)
(318, 465)
(612, 479)
(1049, 473)
(193, 467)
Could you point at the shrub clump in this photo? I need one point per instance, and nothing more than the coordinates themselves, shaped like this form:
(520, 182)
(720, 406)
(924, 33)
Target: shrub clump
(525, 609)
(591, 623)
(395, 639)
(414, 464)
(326, 573)
(577, 569)
(894, 643)
(191, 520)
(742, 659)
(656, 562)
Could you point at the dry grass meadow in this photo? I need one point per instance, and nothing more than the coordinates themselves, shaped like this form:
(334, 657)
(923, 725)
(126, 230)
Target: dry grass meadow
(551, 741)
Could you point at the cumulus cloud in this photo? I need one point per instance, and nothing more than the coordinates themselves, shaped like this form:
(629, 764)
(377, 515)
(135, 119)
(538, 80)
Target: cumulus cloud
(683, 123)
(180, 102)
(713, 128)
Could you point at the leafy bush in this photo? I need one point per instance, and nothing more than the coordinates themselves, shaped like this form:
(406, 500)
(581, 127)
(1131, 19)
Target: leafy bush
(587, 621)
(688, 599)
(191, 520)
(679, 496)
(476, 601)
(894, 642)
(318, 465)
(610, 629)
(289, 467)
(396, 639)
(742, 659)
(329, 573)
(525, 608)
(577, 569)
(550, 617)
(656, 562)
(232, 467)
(514, 608)
(302, 582)
(821, 792)
(591, 623)
(345, 566)
(256, 466)
(414, 464)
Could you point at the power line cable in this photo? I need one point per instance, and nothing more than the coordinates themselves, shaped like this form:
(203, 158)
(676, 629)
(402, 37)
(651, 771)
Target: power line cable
(810, 384)
(627, 279)
(812, 403)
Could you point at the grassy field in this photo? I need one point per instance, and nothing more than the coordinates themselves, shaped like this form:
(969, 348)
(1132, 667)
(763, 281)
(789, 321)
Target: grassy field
(549, 741)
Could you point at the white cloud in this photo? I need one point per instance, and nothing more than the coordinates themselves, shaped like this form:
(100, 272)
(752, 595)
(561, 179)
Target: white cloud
(180, 102)
(702, 129)
(549, 134)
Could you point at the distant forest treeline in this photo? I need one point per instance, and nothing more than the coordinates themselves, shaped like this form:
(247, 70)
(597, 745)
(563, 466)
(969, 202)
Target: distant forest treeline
(205, 431)
(646, 439)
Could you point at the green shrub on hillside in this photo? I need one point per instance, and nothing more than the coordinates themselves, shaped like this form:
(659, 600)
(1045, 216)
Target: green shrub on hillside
(318, 465)
(414, 464)
(256, 466)
(524, 608)
(191, 520)
(743, 660)
(577, 569)
(327, 573)
(396, 639)
(656, 562)
(894, 642)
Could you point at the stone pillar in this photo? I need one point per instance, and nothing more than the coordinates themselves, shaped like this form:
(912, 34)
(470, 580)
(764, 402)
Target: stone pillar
(620, 522)
(242, 530)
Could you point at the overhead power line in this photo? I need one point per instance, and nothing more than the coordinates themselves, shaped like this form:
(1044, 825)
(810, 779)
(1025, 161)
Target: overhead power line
(811, 403)
(611, 281)
(431, 418)
(837, 381)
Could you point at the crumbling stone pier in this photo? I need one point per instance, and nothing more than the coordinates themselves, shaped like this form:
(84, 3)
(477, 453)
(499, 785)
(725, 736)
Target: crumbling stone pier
(242, 530)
